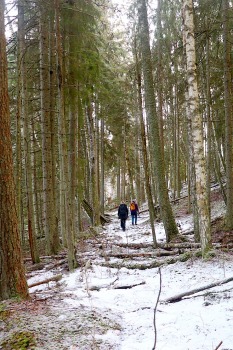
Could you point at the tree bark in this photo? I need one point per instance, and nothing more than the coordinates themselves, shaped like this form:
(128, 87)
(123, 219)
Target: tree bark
(27, 131)
(228, 113)
(61, 129)
(93, 160)
(53, 130)
(65, 200)
(12, 274)
(20, 58)
(49, 211)
(144, 152)
(150, 103)
(192, 173)
(209, 152)
(196, 126)
(102, 166)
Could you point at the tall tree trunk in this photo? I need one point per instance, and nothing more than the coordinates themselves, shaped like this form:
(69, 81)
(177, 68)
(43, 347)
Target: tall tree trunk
(197, 129)
(28, 174)
(228, 113)
(144, 153)
(73, 127)
(102, 177)
(52, 245)
(61, 131)
(53, 129)
(80, 163)
(73, 170)
(12, 274)
(86, 156)
(192, 174)
(123, 164)
(23, 116)
(129, 170)
(138, 169)
(37, 191)
(65, 200)
(168, 219)
(20, 58)
(118, 171)
(208, 117)
(218, 164)
(93, 165)
(160, 76)
(178, 146)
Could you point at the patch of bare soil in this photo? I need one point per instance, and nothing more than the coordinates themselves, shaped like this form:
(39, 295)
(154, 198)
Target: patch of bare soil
(53, 325)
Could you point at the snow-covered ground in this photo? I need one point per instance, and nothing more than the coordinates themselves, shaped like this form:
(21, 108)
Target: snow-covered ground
(198, 322)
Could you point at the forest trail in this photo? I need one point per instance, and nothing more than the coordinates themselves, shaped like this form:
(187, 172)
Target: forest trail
(108, 302)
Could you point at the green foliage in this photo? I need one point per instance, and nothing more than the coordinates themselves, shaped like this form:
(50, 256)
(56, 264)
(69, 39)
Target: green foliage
(186, 256)
(2, 307)
(4, 313)
(19, 341)
(209, 255)
(198, 254)
(95, 62)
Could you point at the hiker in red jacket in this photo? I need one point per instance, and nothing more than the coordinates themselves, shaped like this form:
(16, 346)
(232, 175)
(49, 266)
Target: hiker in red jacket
(134, 211)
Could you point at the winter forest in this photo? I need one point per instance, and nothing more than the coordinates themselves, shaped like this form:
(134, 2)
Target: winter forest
(103, 101)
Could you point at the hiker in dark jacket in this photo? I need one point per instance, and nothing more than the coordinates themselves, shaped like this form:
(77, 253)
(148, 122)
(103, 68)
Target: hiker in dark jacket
(123, 213)
(134, 211)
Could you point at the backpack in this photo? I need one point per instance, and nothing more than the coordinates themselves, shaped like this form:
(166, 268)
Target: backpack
(132, 206)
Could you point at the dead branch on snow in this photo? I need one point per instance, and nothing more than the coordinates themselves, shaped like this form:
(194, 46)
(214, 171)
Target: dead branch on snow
(55, 278)
(179, 297)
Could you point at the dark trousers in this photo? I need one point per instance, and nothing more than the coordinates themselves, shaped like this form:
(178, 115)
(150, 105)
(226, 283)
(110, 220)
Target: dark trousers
(134, 218)
(123, 224)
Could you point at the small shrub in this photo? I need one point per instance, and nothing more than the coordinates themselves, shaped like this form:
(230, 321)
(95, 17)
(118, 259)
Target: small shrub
(209, 254)
(198, 254)
(186, 256)
(19, 341)
(4, 313)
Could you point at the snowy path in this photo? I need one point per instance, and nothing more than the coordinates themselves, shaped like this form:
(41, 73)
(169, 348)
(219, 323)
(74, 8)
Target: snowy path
(87, 310)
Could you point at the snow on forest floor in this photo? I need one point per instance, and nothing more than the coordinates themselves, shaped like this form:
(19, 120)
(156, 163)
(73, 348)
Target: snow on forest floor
(106, 305)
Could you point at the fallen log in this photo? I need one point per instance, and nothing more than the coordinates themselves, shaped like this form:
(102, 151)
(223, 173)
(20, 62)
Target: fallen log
(145, 266)
(133, 245)
(179, 297)
(89, 210)
(35, 267)
(55, 265)
(134, 266)
(166, 246)
(141, 255)
(56, 257)
(55, 278)
(48, 257)
(188, 245)
(129, 286)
